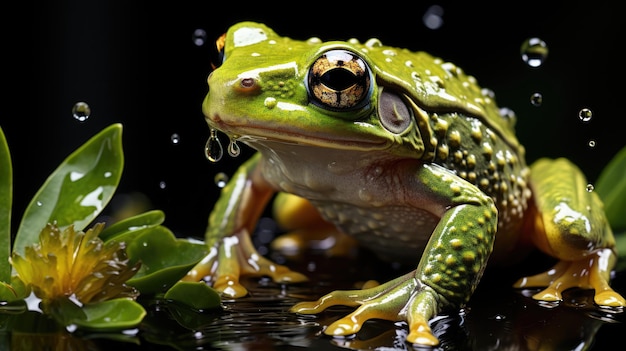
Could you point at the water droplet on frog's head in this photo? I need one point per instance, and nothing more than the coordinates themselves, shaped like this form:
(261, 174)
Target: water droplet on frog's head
(213, 149)
(175, 138)
(81, 111)
(221, 179)
(590, 187)
(509, 115)
(585, 114)
(536, 99)
(233, 148)
(534, 52)
(198, 37)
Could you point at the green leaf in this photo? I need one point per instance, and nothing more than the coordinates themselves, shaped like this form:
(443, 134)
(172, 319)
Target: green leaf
(6, 199)
(197, 295)
(7, 293)
(113, 314)
(164, 258)
(133, 224)
(77, 191)
(611, 187)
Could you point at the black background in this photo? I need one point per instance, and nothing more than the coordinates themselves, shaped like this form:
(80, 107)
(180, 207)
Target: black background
(134, 62)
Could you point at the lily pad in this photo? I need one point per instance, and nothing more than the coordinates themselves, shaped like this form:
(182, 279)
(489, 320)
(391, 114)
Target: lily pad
(77, 191)
(116, 314)
(197, 295)
(164, 258)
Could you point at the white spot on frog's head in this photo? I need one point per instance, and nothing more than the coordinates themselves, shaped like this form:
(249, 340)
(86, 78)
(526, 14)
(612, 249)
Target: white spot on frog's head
(247, 36)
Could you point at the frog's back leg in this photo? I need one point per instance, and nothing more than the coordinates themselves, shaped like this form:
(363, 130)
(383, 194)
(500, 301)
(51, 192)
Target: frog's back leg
(306, 229)
(568, 222)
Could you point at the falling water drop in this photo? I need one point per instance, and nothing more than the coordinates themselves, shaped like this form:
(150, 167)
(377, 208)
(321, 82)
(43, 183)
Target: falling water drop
(592, 143)
(433, 17)
(175, 138)
(233, 148)
(221, 179)
(534, 52)
(81, 111)
(585, 114)
(536, 99)
(213, 149)
(198, 37)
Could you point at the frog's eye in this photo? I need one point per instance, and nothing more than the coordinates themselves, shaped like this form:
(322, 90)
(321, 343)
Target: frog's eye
(217, 54)
(340, 80)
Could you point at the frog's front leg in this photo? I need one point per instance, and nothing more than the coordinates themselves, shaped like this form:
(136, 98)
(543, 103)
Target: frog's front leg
(568, 222)
(231, 252)
(448, 271)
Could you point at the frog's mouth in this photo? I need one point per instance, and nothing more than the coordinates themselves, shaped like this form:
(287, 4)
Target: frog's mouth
(251, 132)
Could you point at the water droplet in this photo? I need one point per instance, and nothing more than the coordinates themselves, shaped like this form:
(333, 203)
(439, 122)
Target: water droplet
(162, 184)
(590, 187)
(213, 149)
(221, 179)
(233, 148)
(39, 203)
(433, 17)
(536, 99)
(534, 52)
(198, 37)
(81, 111)
(175, 138)
(585, 114)
(592, 143)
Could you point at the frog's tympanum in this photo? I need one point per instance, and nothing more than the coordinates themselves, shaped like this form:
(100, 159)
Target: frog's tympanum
(407, 154)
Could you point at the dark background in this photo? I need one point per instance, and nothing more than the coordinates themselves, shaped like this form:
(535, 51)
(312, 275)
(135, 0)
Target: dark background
(134, 62)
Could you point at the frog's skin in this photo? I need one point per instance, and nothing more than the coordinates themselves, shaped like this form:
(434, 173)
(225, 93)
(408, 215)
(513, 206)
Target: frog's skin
(406, 153)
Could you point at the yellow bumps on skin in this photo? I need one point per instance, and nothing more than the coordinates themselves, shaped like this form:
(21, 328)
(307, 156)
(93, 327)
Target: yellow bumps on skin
(70, 263)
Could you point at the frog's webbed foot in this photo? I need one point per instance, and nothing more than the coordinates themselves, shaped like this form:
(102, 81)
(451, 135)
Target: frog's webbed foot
(403, 298)
(591, 272)
(233, 257)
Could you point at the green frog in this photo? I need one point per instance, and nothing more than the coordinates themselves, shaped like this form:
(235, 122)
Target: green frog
(405, 153)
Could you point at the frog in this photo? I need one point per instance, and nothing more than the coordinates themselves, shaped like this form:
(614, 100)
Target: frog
(402, 151)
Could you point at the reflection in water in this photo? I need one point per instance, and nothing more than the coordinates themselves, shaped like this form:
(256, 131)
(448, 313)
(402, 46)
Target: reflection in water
(497, 318)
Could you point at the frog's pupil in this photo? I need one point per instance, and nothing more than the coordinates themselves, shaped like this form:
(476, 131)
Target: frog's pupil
(338, 79)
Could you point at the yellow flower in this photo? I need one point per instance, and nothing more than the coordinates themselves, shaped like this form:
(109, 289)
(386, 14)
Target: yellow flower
(71, 263)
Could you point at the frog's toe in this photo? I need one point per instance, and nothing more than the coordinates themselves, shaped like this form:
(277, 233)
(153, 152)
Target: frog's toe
(229, 286)
(403, 298)
(421, 334)
(234, 258)
(610, 298)
(591, 272)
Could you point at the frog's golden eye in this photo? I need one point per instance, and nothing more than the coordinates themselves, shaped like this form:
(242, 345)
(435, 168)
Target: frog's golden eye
(217, 55)
(340, 80)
